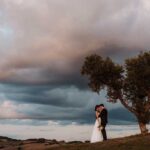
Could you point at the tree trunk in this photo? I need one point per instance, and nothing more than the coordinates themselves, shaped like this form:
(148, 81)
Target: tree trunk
(143, 128)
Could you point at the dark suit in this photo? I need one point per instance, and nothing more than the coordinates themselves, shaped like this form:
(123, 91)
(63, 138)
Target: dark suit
(103, 115)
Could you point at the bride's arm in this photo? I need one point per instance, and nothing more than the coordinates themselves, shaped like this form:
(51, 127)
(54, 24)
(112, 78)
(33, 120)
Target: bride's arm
(97, 115)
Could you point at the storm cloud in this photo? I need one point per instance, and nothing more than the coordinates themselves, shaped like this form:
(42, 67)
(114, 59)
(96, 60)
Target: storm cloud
(43, 44)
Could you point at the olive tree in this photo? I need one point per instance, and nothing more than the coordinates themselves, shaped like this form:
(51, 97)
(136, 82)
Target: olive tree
(128, 83)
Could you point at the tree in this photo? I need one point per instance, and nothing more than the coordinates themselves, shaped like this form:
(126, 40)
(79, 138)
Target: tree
(129, 83)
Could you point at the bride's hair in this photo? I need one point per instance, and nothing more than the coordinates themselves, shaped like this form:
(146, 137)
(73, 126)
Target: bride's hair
(96, 107)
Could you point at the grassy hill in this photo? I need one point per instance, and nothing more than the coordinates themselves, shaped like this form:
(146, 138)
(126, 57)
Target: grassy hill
(137, 142)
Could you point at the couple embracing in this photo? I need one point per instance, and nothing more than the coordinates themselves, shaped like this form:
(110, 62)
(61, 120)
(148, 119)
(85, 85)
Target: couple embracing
(99, 130)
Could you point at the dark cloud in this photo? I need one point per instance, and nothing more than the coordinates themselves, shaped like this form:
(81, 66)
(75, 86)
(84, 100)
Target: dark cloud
(47, 95)
(23, 122)
(117, 53)
(43, 45)
(40, 115)
(121, 115)
(47, 45)
(65, 105)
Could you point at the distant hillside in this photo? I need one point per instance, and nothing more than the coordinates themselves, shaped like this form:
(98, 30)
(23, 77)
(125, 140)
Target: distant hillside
(137, 142)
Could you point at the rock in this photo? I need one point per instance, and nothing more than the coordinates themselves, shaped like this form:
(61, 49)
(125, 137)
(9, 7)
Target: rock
(6, 139)
(62, 142)
(41, 140)
(75, 142)
(51, 142)
(1, 146)
(55, 141)
(19, 148)
(29, 141)
(87, 142)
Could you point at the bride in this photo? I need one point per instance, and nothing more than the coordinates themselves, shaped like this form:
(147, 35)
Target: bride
(96, 134)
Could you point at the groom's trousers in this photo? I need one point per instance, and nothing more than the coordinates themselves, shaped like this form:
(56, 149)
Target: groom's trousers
(104, 133)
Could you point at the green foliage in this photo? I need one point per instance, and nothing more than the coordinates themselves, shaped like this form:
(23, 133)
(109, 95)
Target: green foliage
(129, 83)
(102, 72)
(137, 84)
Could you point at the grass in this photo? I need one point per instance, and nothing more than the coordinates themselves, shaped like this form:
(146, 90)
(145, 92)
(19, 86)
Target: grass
(137, 142)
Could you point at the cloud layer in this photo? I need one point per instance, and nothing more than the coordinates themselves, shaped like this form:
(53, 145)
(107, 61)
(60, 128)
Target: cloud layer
(43, 44)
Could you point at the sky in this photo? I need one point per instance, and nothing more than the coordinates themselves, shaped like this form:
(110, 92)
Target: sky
(43, 44)
(71, 132)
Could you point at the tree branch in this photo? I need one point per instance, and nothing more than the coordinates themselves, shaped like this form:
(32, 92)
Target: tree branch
(126, 105)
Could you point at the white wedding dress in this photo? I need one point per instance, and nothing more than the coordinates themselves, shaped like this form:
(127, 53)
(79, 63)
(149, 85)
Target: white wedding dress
(96, 134)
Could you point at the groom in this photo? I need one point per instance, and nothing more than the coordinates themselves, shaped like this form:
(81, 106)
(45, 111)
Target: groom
(103, 115)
